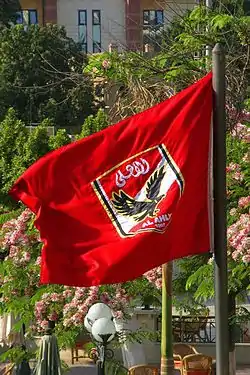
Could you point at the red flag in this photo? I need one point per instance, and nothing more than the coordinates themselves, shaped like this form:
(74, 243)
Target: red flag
(127, 199)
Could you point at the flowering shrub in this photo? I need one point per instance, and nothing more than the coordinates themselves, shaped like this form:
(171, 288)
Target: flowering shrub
(239, 238)
(23, 295)
(20, 274)
(155, 276)
(238, 233)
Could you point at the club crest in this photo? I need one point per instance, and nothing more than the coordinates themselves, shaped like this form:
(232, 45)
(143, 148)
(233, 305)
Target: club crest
(140, 194)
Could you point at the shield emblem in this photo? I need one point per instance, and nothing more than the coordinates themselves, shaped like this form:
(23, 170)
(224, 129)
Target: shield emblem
(141, 193)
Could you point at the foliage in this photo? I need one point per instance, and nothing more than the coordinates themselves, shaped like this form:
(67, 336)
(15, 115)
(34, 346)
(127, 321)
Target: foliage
(144, 80)
(17, 355)
(13, 136)
(238, 173)
(8, 11)
(144, 291)
(93, 124)
(45, 80)
(141, 81)
(23, 295)
(37, 143)
(20, 246)
(61, 138)
(19, 148)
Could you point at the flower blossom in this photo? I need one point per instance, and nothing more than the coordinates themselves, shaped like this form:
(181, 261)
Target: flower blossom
(155, 276)
(238, 235)
(242, 131)
(106, 64)
(244, 202)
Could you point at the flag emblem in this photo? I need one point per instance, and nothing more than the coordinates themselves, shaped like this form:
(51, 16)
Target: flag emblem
(140, 194)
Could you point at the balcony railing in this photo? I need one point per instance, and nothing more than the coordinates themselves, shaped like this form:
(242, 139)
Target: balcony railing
(201, 329)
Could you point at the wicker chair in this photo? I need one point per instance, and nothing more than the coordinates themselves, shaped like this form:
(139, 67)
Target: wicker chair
(8, 370)
(197, 364)
(79, 346)
(181, 351)
(143, 370)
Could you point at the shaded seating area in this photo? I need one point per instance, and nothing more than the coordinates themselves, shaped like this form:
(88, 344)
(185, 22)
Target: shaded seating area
(189, 362)
(143, 370)
(8, 370)
(79, 347)
(180, 351)
(197, 364)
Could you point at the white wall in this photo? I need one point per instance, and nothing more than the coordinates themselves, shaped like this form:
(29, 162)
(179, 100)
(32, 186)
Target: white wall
(112, 19)
(175, 8)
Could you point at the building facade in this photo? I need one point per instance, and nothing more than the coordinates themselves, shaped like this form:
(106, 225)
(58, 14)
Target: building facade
(128, 24)
(93, 23)
(96, 24)
(38, 11)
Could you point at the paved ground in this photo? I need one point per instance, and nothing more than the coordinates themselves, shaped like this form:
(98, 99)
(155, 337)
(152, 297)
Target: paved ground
(85, 366)
(90, 370)
(87, 369)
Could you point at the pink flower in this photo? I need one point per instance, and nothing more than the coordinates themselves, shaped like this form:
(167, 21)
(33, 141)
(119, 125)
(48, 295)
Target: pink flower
(10, 225)
(106, 64)
(53, 316)
(244, 202)
(39, 261)
(26, 256)
(13, 251)
(55, 297)
(154, 276)
(238, 176)
(44, 324)
(238, 238)
(105, 297)
(67, 293)
(40, 306)
(118, 314)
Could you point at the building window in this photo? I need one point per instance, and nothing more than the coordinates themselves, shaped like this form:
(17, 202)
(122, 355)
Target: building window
(246, 7)
(96, 30)
(27, 17)
(153, 26)
(82, 29)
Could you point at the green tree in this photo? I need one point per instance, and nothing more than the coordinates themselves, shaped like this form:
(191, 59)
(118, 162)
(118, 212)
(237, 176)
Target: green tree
(8, 11)
(45, 80)
(13, 137)
(61, 138)
(93, 124)
(37, 143)
(145, 80)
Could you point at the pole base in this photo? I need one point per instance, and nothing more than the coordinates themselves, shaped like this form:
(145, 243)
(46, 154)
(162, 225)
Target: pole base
(167, 366)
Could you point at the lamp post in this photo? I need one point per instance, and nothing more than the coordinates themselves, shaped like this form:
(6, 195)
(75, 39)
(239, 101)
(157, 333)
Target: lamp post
(99, 323)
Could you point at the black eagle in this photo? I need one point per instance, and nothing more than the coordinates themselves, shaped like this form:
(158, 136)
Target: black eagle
(139, 210)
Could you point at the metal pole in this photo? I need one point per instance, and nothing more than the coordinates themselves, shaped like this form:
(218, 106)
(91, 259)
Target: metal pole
(220, 239)
(167, 362)
(100, 368)
(101, 358)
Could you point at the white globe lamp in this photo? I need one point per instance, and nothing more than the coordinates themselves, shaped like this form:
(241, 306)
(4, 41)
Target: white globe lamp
(103, 330)
(88, 323)
(99, 310)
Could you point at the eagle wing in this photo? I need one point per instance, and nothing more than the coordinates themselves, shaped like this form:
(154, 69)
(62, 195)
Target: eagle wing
(154, 183)
(127, 206)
